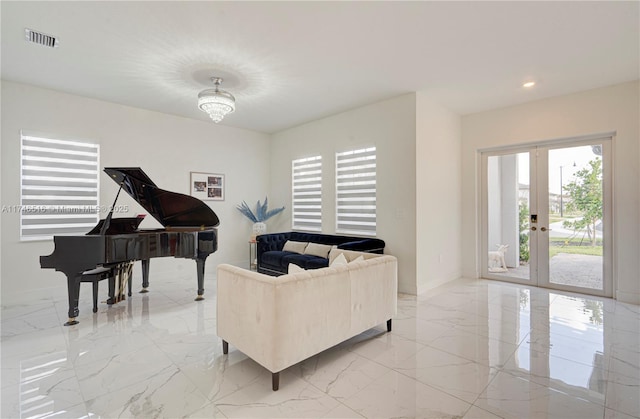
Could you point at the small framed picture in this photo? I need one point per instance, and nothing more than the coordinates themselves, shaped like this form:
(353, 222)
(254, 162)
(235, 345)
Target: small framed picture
(207, 186)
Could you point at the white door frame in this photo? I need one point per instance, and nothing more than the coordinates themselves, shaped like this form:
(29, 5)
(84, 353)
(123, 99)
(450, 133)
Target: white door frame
(538, 241)
(484, 230)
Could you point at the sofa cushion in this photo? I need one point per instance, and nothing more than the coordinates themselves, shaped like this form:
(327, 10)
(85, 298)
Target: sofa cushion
(294, 246)
(358, 259)
(315, 262)
(339, 260)
(293, 268)
(320, 250)
(305, 261)
(351, 255)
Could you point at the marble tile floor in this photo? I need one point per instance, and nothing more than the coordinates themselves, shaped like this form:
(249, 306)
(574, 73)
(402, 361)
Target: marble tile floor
(471, 349)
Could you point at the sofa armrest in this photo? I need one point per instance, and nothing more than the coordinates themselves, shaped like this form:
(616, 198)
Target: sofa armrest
(242, 295)
(364, 245)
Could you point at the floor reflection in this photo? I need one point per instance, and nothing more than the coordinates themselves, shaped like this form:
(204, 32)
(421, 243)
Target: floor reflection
(472, 348)
(565, 345)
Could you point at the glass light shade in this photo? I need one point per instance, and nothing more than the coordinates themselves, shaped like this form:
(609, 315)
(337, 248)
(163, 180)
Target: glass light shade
(217, 103)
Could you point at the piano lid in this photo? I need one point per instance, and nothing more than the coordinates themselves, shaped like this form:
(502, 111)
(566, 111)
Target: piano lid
(171, 209)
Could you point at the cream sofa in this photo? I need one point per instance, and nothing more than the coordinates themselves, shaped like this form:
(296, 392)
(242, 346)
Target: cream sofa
(280, 321)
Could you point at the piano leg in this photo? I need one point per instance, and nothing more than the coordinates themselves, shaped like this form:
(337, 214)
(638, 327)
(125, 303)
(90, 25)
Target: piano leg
(200, 267)
(111, 300)
(73, 290)
(95, 296)
(145, 276)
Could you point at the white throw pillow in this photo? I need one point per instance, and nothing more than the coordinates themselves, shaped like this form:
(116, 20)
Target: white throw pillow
(339, 260)
(295, 247)
(293, 268)
(358, 259)
(315, 249)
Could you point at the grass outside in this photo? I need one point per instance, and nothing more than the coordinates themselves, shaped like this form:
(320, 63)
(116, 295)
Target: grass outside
(575, 245)
(554, 249)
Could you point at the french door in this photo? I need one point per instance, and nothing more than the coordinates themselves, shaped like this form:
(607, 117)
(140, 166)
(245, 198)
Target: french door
(546, 212)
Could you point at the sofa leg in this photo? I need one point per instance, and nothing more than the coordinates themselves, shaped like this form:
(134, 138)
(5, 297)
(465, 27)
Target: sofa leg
(389, 325)
(225, 347)
(275, 381)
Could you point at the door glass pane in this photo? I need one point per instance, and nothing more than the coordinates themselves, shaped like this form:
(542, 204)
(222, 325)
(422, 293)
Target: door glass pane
(575, 217)
(508, 215)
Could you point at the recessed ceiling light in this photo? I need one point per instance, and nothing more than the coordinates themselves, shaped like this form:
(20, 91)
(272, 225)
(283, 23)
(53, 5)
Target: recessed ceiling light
(529, 84)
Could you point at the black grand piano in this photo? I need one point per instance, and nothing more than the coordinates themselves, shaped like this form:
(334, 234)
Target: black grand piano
(190, 231)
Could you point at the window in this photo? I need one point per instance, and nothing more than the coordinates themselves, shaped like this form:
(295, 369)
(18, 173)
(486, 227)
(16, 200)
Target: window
(356, 192)
(59, 187)
(306, 175)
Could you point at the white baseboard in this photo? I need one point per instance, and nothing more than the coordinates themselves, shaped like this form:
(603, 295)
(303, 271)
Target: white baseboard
(628, 297)
(437, 282)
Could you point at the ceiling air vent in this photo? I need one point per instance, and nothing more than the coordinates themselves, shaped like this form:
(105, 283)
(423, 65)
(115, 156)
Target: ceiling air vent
(41, 38)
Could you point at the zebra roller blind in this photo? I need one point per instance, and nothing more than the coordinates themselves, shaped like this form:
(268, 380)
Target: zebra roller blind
(306, 176)
(356, 192)
(59, 187)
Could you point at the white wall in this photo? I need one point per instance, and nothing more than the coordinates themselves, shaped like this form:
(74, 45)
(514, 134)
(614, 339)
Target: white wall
(438, 201)
(614, 108)
(389, 125)
(426, 219)
(166, 147)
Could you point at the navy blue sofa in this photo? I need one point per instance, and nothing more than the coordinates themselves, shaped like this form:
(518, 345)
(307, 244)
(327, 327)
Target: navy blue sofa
(272, 260)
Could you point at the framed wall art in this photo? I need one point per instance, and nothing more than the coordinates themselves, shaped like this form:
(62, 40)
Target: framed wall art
(207, 186)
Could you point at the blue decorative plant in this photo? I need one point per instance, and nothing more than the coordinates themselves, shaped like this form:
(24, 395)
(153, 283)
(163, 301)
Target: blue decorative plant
(262, 214)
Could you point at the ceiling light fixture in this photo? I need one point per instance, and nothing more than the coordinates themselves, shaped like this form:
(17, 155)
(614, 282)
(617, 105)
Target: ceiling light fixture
(529, 84)
(217, 103)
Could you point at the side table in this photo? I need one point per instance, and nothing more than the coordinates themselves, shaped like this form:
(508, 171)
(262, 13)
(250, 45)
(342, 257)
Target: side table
(253, 255)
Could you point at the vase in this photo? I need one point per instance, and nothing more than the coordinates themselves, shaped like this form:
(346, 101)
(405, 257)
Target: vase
(258, 229)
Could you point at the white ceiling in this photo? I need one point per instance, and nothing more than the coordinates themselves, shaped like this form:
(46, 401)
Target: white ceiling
(288, 63)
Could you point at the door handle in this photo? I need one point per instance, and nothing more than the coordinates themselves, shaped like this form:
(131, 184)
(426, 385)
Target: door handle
(545, 229)
(533, 228)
